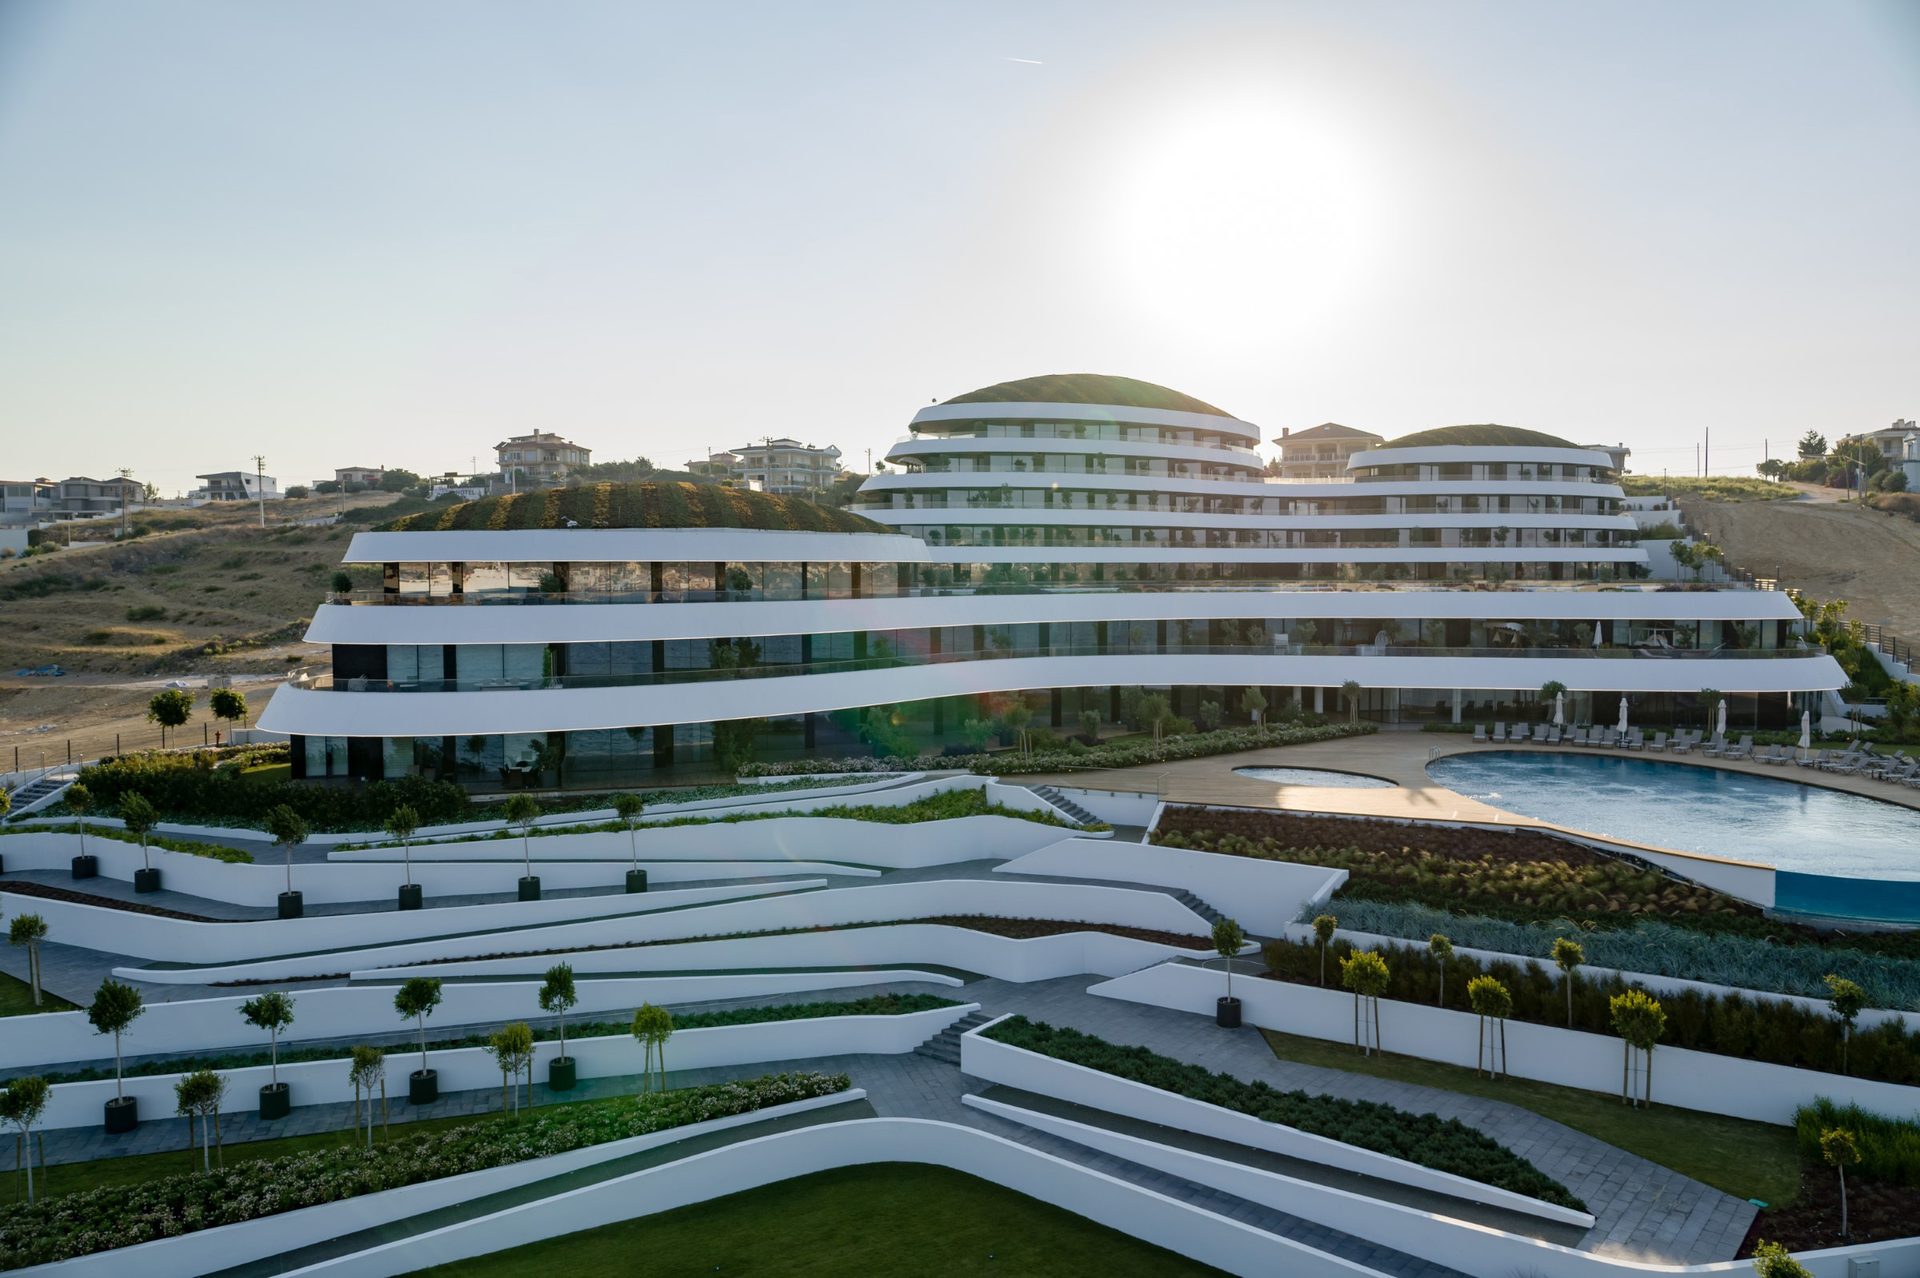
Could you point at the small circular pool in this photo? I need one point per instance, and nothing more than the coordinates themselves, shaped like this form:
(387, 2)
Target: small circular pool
(1804, 829)
(1315, 776)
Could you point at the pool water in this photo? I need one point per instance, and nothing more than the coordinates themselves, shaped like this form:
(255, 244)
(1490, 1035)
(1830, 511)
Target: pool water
(1315, 776)
(1792, 827)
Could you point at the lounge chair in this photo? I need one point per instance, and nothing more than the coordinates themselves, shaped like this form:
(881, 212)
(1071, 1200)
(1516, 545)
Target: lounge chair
(1682, 743)
(1716, 748)
(1480, 733)
(1500, 733)
(1742, 751)
(1659, 743)
(1813, 759)
(1553, 735)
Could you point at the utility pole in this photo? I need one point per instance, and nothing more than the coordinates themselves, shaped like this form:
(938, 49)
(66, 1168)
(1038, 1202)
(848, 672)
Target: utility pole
(260, 485)
(1707, 455)
(125, 473)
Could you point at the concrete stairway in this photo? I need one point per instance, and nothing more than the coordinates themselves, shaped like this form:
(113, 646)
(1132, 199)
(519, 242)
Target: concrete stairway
(945, 1046)
(1066, 805)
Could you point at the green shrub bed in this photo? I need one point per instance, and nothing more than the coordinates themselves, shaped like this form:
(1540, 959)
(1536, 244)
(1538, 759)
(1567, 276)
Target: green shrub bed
(1444, 1144)
(545, 1031)
(1889, 1147)
(94, 1220)
(1195, 745)
(1770, 1030)
(671, 504)
(200, 787)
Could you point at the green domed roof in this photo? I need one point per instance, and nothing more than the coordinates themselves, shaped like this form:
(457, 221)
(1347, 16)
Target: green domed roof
(1088, 388)
(1484, 434)
(644, 504)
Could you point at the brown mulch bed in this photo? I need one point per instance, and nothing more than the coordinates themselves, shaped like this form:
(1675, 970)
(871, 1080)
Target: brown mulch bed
(1876, 1212)
(1375, 836)
(47, 892)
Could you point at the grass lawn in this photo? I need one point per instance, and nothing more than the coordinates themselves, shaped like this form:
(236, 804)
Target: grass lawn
(1745, 1159)
(899, 1218)
(16, 999)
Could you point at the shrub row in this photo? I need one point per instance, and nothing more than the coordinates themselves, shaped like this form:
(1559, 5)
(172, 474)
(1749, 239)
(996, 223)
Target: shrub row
(872, 1005)
(1653, 947)
(1760, 1029)
(93, 1220)
(638, 505)
(186, 787)
(212, 851)
(1889, 1147)
(1128, 754)
(1444, 1144)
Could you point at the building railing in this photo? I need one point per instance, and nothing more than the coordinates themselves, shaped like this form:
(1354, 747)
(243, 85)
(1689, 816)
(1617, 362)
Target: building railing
(801, 669)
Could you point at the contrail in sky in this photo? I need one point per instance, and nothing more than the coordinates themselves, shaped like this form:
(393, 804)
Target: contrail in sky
(1032, 62)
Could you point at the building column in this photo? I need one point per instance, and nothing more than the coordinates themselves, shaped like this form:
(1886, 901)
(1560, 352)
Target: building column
(1319, 700)
(1456, 705)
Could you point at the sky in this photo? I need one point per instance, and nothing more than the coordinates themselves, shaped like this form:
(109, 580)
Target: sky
(360, 233)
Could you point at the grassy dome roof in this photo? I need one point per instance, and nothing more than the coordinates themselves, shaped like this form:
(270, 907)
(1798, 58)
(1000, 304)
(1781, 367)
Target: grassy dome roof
(637, 505)
(1088, 388)
(1486, 433)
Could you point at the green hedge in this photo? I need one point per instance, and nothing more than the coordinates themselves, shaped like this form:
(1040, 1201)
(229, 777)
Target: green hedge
(1444, 1144)
(1196, 745)
(1771, 1030)
(190, 787)
(1889, 1147)
(637, 505)
(543, 1031)
(94, 1220)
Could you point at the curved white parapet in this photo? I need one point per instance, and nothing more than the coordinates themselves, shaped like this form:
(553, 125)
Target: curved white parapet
(169, 1028)
(1511, 454)
(632, 545)
(1000, 411)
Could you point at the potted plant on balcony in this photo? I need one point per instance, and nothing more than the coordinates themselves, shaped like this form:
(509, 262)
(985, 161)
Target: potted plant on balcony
(289, 832)
(139, 817)
(271, 1012)
(115, 1007)
(521, 810)
(628, 807)
(79, 801)
(415, 1000)
(401, 823)
(557, 996)
(1227, 940)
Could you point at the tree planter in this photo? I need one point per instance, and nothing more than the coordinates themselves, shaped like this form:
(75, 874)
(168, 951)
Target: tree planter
(423, 1087)
(123, 1115)
(410, 896)
(146, 880)
(276, 1100)
(292, 905)
(530, 888)
(636, 880)
(1226, 1013)
(562, 1074)
(86, 867)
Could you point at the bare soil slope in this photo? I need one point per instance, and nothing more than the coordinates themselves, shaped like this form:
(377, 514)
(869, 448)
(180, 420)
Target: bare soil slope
(1830, 550)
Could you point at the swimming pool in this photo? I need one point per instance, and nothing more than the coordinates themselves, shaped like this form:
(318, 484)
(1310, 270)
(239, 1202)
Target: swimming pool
(1315, 776)
(1792, 827)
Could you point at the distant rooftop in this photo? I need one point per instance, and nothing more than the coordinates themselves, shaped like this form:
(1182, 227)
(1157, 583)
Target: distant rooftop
(1088, 388)
(1327, 430)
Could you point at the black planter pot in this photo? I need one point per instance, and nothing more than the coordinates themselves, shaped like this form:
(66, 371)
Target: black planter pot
(423, 1087)
(562, 1074)
(292, 905)
(3, 865)
(123, 1115)
(636, 880)
(410, 896)
(86, 867)
(1226, 1013)
(146, 880)
(276, 1100)
(530, 888)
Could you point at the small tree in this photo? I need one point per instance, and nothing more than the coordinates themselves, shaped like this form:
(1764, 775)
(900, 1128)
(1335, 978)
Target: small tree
(79, 801)
(21, 1104)
(628, 807)
(1841, 1150)
(1492, 1003)
(1549, 690)
(522, 811)
(1442, 949)
(29, 930)
(1568, 955)
(401, 823)
(1090, 726)
(1639, 1020)
(1209, 715)
(115, 1007)
(1017, 717)
(272, 1012)
(1227, 940)
(1156, 712)
(1365, 973)
(1771, 1260)
(1323, 929)
(342, 583)
(170, 708)
(415, 1000)
(557, 996)
(198, 1095)
(511, 1047)
(228, 704)
(139, 817)
(288, 832)
(1253, 704)
(653, 1026)
(1351, 691)
(368, 1068)
(1846, 999)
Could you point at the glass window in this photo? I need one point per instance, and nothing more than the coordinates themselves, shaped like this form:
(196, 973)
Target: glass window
(326, 756)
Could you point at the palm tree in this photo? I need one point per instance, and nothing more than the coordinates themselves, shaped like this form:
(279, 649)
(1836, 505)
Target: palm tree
(1568, 955)
(1323, 929)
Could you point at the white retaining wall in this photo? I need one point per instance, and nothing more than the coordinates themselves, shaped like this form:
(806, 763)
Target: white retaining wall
(1115, 807)
(207, 943)
(53, 1039)
(1686, 1079)
(472, 1068)
(983, 1058)
(1263, 896)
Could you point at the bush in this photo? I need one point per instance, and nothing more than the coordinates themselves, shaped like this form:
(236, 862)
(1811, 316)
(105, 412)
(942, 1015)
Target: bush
(637, 505)
(1889, 1147)
(1444, 1144)
(103, 1218)
(212, 851)
(184, 787)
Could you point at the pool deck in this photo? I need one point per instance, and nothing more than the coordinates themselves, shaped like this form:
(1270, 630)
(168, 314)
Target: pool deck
(1401, 756)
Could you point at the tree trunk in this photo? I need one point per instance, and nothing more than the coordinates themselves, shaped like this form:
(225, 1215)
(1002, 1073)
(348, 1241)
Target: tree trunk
(1569, 1000)
(1356, 1023)
(118, 1092)
(206, 1148)
(26, 1140)
(273, 1038)
(1479, 1044)
(406, 854)
(1442, 1000)
(1375, 1000)
(1503, 1046)
(1845, 1232)
(1626, 1062)
(1647, 1083)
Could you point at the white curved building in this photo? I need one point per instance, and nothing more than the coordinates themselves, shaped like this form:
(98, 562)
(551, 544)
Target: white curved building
(1058, 540)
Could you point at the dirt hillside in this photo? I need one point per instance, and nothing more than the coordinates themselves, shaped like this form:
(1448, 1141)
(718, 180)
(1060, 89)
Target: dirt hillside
(1831, 550)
